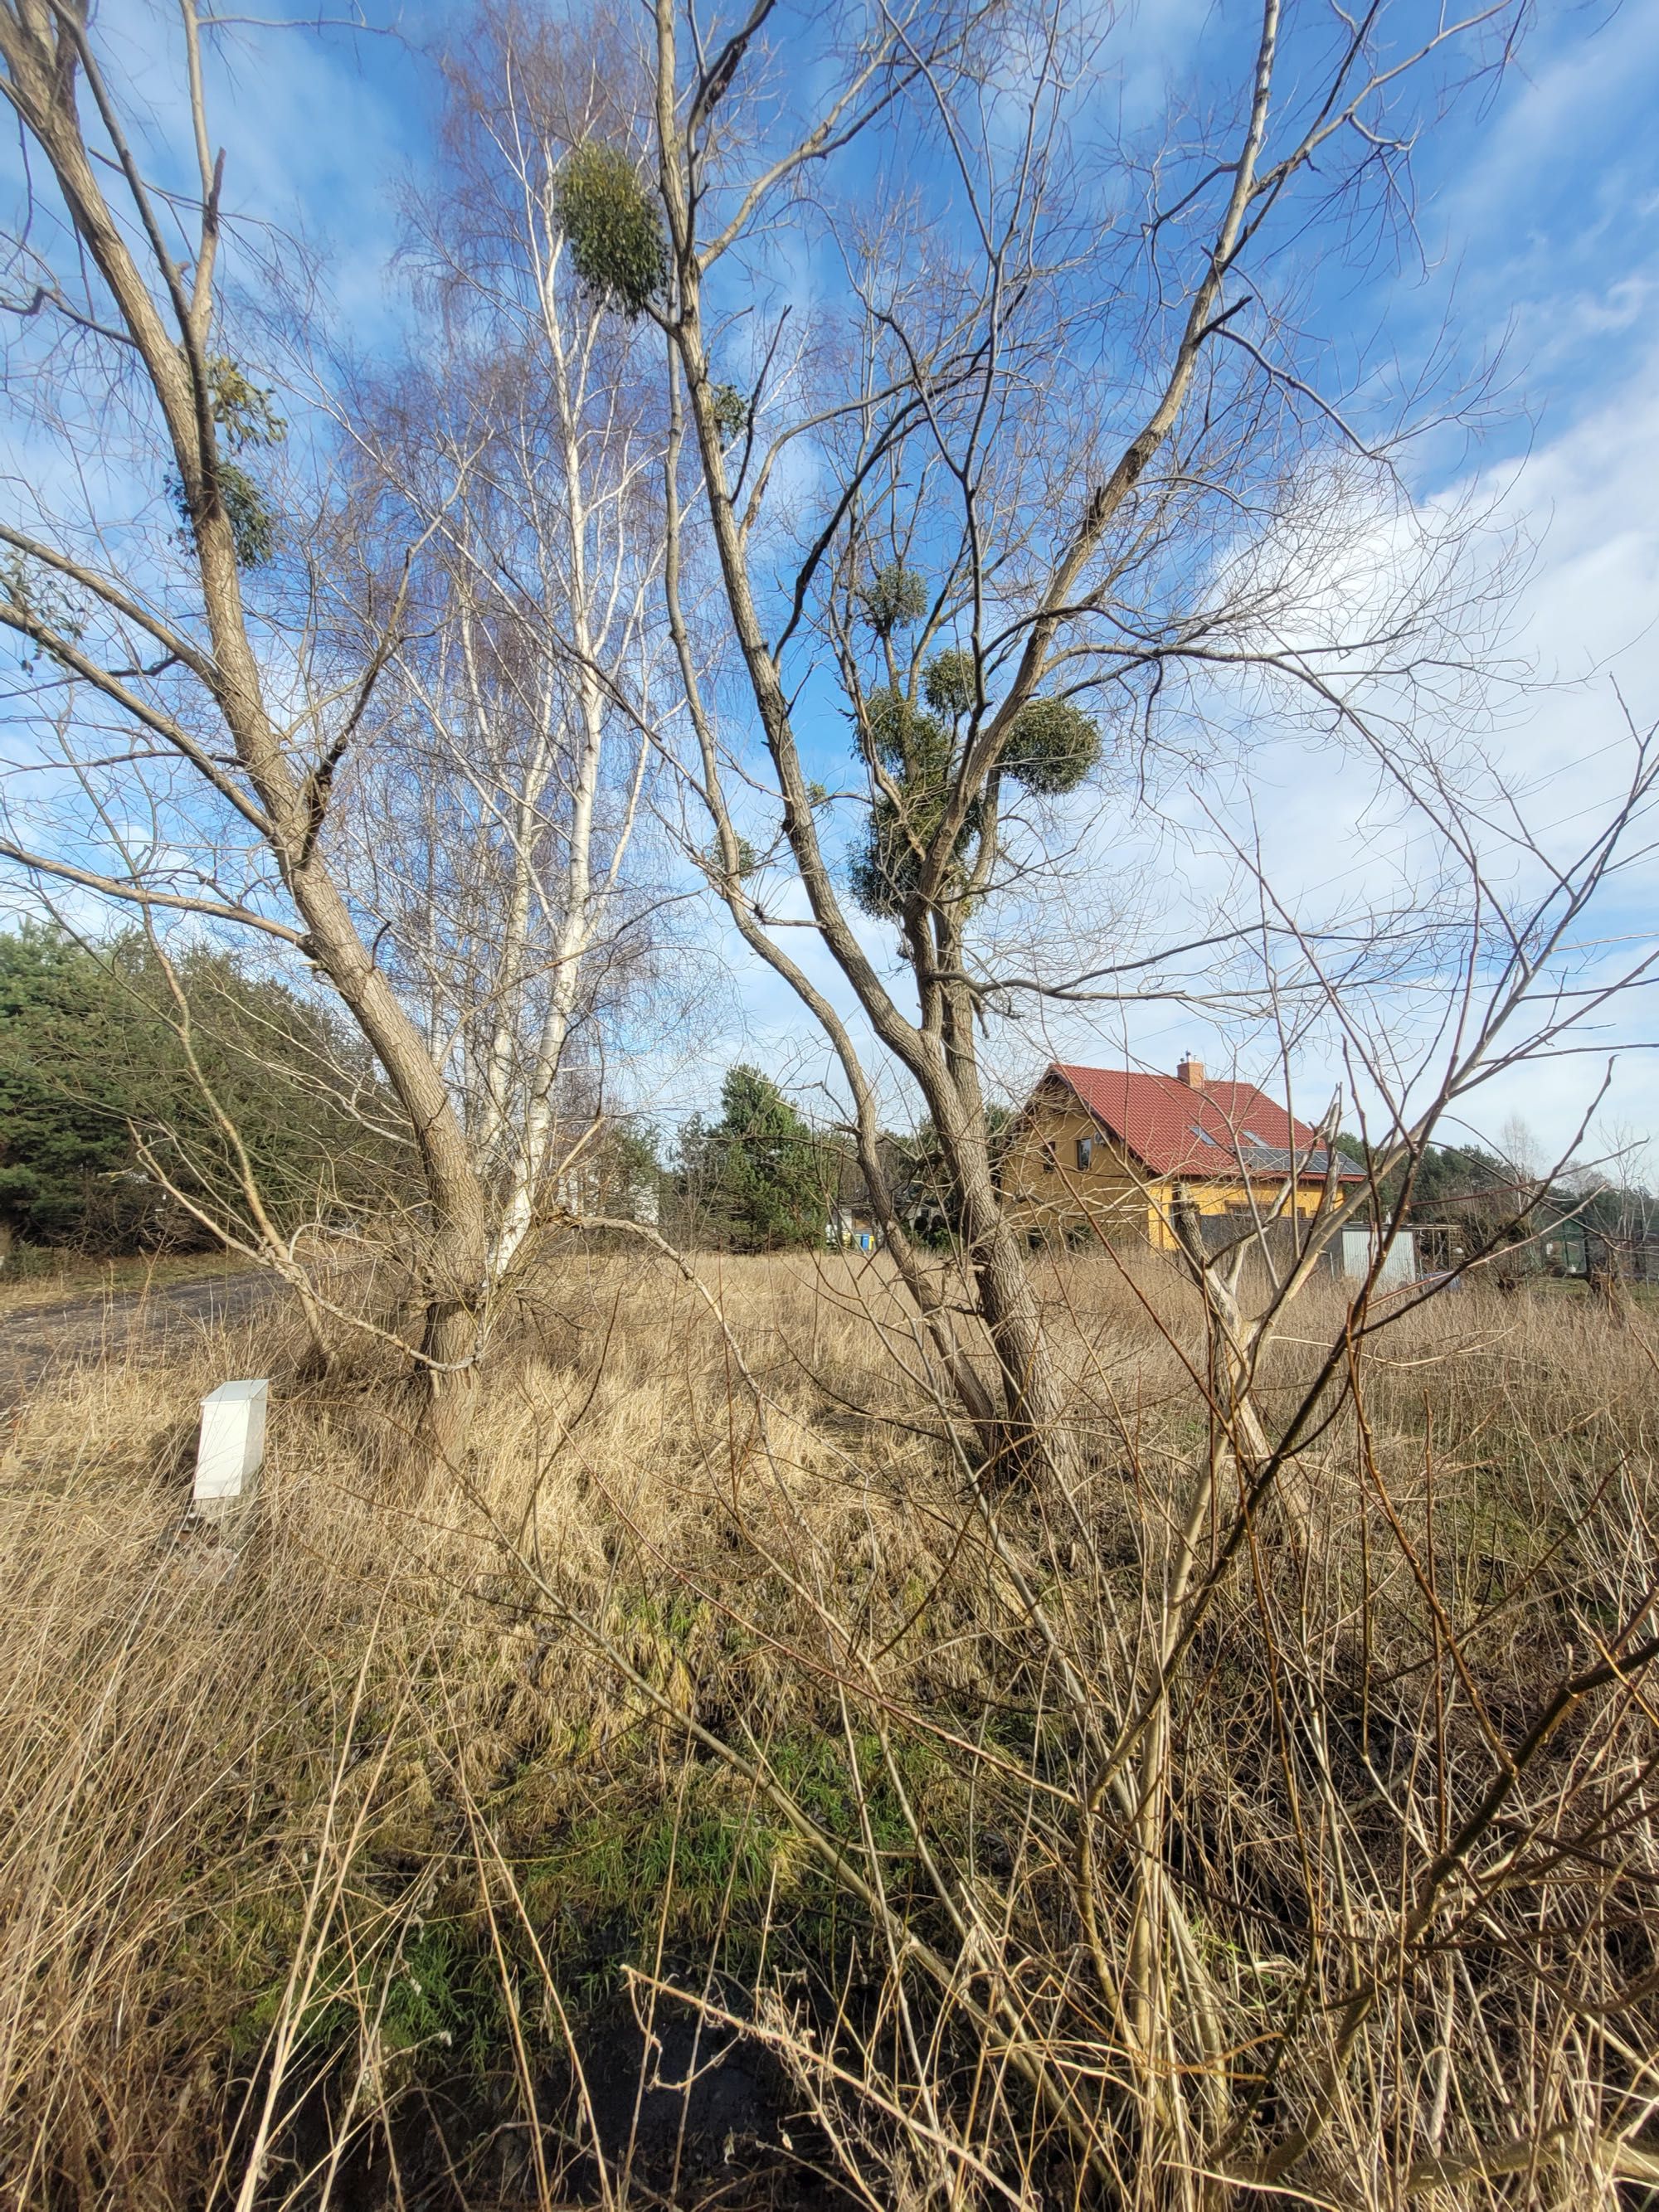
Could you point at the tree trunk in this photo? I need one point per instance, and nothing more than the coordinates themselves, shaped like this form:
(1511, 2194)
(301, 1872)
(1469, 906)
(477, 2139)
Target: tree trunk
(44, 50)
(455, 1261)
(448, 1388)
(1034, 1429)
(1031, 1429)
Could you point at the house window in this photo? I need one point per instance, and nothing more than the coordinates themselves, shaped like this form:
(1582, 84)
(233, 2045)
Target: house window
(1085, 1154)
(1050, 1157)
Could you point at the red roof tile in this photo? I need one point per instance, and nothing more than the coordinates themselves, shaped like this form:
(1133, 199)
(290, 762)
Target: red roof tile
(1225, 1129)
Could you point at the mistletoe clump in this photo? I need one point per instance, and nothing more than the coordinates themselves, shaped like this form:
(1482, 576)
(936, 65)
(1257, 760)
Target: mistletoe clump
(748, 860)
(732, 412)
(894, 598)
(950, 685)
(253, 524)
(249, 513)
(611, 226)
(40, 608)
(911, 745)
(917, 750)
(883, 877)
(246, 417)
(1052, 747)
(244, 411)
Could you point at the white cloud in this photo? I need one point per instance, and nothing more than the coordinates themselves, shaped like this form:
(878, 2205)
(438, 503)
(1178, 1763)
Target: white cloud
(1584, 618)
(1581, 104)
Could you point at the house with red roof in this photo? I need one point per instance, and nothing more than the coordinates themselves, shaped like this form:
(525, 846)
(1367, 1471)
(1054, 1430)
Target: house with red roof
(1108, 1151)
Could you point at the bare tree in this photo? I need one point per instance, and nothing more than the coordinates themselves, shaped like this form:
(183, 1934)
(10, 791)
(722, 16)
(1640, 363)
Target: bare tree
(388, 701)
(188, 729)
(1058, 443)
(522, 707)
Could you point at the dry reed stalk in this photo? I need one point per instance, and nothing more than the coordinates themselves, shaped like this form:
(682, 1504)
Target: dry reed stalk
(1099, 1844)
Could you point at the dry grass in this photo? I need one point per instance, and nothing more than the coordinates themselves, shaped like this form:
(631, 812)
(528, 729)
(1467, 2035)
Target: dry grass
(1026, 1850)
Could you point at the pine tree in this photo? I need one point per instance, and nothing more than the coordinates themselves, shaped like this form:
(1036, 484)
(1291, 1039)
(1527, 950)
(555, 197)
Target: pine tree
(758, 1176)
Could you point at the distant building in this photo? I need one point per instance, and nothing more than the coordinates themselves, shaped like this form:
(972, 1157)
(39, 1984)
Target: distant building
(1109, 1152)
(852, 1228)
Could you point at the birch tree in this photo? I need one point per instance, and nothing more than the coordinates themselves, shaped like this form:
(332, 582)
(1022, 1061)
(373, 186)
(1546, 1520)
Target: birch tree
(523, 455)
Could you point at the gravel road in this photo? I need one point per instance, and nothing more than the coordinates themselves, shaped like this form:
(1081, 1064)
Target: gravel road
(81, 1331)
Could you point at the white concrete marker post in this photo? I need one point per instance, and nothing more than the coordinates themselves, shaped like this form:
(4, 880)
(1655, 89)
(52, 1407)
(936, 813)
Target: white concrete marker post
(232, 1448)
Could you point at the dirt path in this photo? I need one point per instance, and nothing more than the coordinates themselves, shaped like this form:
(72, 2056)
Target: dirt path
(81, 1331)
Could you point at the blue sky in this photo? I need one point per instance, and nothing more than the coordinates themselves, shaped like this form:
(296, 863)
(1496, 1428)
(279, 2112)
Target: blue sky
(1538, 219)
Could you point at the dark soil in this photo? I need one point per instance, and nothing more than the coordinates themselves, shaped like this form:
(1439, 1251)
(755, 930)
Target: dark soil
(695, 2121)
(704, 2117)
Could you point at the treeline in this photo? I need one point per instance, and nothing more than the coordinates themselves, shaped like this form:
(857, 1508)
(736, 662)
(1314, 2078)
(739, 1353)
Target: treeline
(143, 1098)
(1500, 1201)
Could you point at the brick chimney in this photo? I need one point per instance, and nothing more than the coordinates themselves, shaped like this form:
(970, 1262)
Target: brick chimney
(1191, 1073)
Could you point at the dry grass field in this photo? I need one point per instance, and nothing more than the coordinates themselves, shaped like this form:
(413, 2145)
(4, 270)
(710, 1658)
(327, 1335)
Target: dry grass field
(709, 1795)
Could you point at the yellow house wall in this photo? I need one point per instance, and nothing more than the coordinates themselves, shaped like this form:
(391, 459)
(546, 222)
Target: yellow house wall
(1109, 1193)
(1222, 1198)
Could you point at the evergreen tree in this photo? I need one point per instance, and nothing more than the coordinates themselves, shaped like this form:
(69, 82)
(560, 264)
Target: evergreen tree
(94, 1073)
(1451, 1180)
(757, 1180)
(58, 1142)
